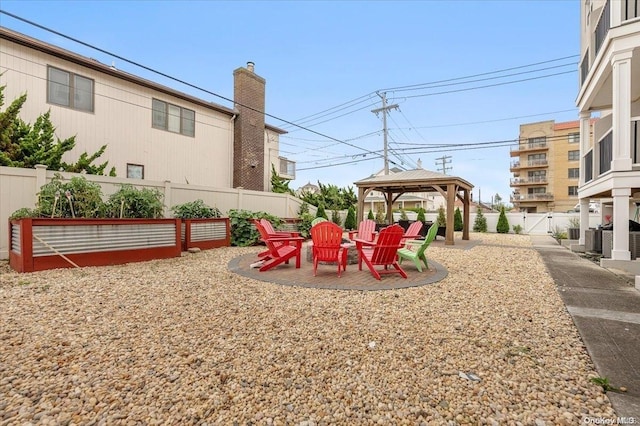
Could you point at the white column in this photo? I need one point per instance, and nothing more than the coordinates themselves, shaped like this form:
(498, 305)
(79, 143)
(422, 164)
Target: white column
(621, 109)
(620, 249)
(584, 218)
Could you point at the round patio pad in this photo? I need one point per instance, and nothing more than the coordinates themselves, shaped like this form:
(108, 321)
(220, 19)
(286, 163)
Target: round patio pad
(327, 278)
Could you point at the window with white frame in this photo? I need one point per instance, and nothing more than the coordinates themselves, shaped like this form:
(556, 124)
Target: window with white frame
(69, 89)
(573, 137)
(574, 155)
(173, 118)
(574, 173)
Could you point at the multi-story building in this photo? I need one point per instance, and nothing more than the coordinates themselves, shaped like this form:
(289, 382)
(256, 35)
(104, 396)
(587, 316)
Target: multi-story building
(151, 131)
(610, 87)
(546, 167)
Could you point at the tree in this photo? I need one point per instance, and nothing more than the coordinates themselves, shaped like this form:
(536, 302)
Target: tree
(442, 220)
(335, 217)
(350, 221)
(279, 185)
(457, 220)
(370, 215)
(421, 217)
(480, 224)
(497, 200)
(25, 145)
(321, 212)
(503, 224)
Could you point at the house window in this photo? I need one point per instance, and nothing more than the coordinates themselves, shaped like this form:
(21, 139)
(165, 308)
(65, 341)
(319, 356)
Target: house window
(573, 190)
(574, 173)
(69, 89)
(135, 171)
(574, 155)
(173, 118)
(573, 137)
(536, 191)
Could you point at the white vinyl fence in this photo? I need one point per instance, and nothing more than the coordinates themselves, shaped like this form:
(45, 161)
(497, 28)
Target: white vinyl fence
(19, 188)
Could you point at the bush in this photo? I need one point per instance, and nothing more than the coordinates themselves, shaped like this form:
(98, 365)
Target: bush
(350, 221)
(421, 217)
(24, 213)
(517, 229)
(131, 202)
(503, 223)
(480, 224)
(403, 215)
(243, 231)
(195, 210)
(370, 215)
(321, 212)
(335, 217)
(457, 220)
(442, 219)
(558, 234)
(380, 215)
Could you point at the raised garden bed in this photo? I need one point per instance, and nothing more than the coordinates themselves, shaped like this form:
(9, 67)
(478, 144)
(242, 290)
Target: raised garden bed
(206, 233)
(40, 244)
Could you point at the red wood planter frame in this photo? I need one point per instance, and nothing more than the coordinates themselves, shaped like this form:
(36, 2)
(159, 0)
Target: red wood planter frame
(40, 244)
(206, 233)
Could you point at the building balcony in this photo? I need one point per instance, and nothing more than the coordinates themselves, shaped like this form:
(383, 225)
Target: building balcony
(612, 14)
(528, 147)
(519, 198)
(519, 165)
(597, 161)
(538, 180)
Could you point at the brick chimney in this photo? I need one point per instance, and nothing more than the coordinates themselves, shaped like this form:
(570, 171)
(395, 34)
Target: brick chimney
(248, 145)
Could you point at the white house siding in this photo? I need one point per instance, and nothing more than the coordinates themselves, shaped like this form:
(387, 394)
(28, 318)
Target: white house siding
(122, 120)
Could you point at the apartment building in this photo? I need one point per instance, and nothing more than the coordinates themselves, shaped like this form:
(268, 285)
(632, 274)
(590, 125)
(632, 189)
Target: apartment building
(610, 87)
(546, 167)
(151, 131)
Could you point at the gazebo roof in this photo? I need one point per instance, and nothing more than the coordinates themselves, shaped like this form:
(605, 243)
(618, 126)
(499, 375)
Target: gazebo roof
(417, 180)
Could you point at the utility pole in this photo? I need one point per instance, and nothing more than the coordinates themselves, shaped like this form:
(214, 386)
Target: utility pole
(385, 108)
(445, 159)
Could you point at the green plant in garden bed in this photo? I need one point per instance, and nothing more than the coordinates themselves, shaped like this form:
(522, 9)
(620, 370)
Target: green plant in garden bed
(74, 198)
(131, 202)
(195, 210)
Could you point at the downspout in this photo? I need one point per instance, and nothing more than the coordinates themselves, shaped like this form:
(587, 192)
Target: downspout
(233, 148)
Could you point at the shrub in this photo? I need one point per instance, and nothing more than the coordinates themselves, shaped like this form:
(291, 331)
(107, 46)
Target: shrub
(442, 219)
(370, 215)
(335, 217)
(574, 222)
(195, 210)
(480, 224)
(243, 231)
(304, 225)
(558, 234)
(131, 202)
(403, 215)
(503, 224)
(380, 215)
(350, 221)
(76, 198)
(517, 229)
(457, 220)
(421, 217)
(321, 212)
(25, 213)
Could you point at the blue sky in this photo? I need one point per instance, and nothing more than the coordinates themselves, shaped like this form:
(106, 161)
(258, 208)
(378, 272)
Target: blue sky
(325, 62)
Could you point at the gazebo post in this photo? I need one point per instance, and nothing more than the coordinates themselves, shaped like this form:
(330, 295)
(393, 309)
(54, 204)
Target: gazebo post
(389, 199)
(451, 202)
(467, 215)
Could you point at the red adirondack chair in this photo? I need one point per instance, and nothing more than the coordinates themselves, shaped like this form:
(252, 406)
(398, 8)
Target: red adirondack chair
(366, 231)
(280, 248)
(268, 227)
(412, 232)
(327, 246)
(382, 252)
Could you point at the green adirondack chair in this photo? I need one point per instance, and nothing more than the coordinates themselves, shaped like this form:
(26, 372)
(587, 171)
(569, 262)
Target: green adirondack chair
(414, 249)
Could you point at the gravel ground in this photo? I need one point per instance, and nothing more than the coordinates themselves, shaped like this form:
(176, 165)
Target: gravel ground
(185, 341)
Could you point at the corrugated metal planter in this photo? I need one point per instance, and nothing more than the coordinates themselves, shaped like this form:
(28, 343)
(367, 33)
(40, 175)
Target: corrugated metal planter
(40, 244)
(206, 233)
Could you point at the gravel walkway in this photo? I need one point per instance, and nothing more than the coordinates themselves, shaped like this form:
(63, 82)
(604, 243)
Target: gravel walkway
(185, 341)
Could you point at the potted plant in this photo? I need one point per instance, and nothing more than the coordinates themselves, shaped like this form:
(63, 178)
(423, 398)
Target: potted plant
(203, 226)
(574, 228)
(421, 218)
(380, 219)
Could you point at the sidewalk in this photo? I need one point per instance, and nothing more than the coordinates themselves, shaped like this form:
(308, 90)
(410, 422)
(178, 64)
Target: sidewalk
(605, 307)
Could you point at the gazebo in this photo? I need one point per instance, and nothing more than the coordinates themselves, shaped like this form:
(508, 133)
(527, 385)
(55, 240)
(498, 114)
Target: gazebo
(419, 180)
